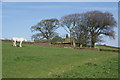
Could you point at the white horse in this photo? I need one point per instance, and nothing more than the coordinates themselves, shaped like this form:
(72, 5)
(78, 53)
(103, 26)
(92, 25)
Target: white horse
(15, 39)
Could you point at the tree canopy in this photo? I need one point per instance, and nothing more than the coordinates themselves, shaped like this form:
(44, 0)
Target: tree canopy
(98, 23)
(46, 29)
(69, 22)
(83, 28)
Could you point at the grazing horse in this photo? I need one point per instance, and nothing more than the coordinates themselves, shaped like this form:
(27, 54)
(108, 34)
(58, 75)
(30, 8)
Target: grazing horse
(15, 39)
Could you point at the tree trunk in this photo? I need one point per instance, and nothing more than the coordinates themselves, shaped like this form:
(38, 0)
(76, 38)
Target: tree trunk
(81, 46)
(92, 44)
(49, 41)
(71, 37)
(74, 44)
(92, 40)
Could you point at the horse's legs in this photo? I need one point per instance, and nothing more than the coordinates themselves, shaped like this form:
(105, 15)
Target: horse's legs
(20, 43)
(14, 43)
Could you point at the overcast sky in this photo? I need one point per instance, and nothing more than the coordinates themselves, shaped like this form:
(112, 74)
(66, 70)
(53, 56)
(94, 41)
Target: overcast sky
(18, 17)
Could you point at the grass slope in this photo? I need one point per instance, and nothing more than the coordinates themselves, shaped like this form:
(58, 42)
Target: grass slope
(33, 61)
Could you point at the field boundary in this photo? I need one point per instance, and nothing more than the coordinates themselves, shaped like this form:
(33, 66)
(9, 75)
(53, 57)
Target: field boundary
(98, 49)
(109, 50)
(110, 46)
(83, 48)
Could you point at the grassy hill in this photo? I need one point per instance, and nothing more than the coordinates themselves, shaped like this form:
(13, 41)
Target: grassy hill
(32, 61)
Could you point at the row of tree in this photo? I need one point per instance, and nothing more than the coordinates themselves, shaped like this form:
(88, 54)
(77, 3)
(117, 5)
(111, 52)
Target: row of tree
(84, 28)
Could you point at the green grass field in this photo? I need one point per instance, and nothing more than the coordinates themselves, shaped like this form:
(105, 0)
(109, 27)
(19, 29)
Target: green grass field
(32, 61)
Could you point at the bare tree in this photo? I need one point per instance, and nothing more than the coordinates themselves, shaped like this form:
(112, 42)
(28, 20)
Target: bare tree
(98, 23)
(46, 29)
(81, 34)
(69, 22)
